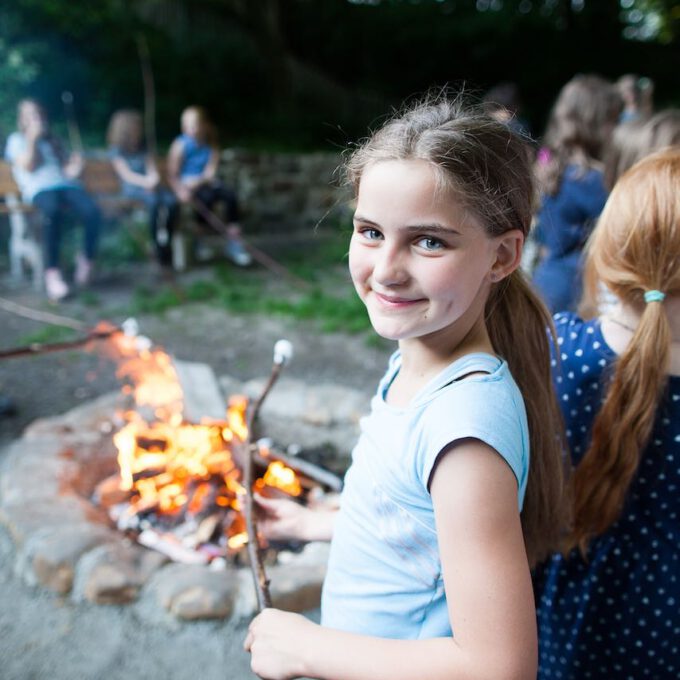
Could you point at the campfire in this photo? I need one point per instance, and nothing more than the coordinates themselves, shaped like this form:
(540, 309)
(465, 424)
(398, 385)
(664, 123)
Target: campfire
(179, 489)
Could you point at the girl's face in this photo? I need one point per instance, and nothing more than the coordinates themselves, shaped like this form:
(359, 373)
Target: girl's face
(192, 124)
(419, 261)
(30, 114)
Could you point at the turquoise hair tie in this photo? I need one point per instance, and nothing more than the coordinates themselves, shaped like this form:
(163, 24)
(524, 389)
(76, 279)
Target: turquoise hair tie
(654, 296)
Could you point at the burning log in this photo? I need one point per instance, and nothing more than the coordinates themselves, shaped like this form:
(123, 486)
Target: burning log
(264, 455)
(172, 547)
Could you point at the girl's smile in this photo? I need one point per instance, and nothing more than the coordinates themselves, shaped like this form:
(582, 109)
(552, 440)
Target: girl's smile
(418, 260)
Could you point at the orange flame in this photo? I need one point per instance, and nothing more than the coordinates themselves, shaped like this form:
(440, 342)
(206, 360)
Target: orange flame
(171, 466)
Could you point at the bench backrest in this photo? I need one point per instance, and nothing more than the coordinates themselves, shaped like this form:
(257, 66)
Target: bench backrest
(99, 177)
(7, 183)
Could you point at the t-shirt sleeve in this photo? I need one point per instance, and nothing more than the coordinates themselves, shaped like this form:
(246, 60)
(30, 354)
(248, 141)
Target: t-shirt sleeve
(16, 144)
(483, 410)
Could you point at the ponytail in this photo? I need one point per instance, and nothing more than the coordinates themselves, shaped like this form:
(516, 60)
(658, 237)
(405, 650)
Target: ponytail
(518, 324)
(621, 429)
(633, 249)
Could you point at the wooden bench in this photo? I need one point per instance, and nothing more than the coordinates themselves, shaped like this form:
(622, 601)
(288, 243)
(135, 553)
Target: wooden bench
(25, 243)
(24, 248)
(100, 180)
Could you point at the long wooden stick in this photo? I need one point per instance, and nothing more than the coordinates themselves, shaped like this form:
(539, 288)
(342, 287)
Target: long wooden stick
(265, 260)
(45, 348)
(71, 122)
(283, 352)
(149, 96)
(44, 317)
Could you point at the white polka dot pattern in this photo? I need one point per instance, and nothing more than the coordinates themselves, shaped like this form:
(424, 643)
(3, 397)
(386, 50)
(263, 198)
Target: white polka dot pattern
(614, 615)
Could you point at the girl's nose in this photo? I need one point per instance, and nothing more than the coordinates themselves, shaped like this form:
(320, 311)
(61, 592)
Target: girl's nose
(390, 267)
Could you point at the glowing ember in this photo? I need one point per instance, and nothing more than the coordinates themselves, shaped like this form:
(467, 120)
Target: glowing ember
(182, 474)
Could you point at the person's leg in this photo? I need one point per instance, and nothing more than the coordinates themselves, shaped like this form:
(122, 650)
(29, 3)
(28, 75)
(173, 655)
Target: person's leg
(166, 220)
(49, 204)
(87, 211)
(234, 249)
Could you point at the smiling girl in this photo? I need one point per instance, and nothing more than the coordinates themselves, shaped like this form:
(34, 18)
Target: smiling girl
(455, 487)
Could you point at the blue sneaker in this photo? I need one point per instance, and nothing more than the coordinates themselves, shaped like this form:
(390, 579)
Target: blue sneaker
(237, 253)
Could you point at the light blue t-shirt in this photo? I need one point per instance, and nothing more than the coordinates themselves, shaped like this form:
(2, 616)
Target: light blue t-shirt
(384, 573)
(48, 175)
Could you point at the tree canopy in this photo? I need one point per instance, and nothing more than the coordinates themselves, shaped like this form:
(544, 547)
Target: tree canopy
(304, 73)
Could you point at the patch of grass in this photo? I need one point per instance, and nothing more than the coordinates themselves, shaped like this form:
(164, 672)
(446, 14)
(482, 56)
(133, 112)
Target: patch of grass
(200, 291)
(47, 334)
(88, 298)
(246, 291)
(145, 301)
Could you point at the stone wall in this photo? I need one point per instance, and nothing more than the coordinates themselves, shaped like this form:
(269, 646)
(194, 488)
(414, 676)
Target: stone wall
(285, 191)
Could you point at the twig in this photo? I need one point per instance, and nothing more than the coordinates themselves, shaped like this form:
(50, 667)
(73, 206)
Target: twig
(44, 348)
(71, 122)
(45, 317)
(265, 260)
(149, 95)
(283, 352)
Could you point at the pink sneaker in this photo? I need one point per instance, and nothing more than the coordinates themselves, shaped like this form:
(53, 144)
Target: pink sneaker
(55, 286)
(83, 272)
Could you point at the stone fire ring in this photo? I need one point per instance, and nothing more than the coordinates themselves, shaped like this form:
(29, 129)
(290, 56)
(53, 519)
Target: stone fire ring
(67, 545)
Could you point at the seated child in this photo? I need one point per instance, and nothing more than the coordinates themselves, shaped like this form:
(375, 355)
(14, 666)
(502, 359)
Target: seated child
(140, 179)
(192, 168)
(47, 178)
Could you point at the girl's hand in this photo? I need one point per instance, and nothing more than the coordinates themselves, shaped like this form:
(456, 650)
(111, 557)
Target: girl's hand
(275, 641)
(281, 519)
(74, 166)
(35, 128)
(152, 180)
(183, 193)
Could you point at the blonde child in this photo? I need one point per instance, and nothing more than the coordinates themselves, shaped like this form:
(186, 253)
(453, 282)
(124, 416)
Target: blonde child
(455, 487)
(608, 607)
(140, 179)
(193, 160)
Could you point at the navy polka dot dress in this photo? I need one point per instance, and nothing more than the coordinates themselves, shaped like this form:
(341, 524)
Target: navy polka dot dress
(615, 615)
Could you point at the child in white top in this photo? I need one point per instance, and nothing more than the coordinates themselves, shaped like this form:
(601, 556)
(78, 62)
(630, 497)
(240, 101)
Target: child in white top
(429, 569)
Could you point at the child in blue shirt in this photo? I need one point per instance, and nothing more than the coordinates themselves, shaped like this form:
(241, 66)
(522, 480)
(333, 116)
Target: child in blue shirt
(455, 486)
(193, 160)
(572, 184)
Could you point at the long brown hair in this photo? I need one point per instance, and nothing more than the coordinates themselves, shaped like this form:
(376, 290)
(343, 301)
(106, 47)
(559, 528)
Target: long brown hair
(580, 124)
(488, 166)
(634, 140)
(634, 248)
(126, 131)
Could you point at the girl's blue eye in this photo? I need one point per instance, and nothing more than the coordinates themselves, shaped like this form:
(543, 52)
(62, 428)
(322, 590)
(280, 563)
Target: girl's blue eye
(371, 234)
(428, 243)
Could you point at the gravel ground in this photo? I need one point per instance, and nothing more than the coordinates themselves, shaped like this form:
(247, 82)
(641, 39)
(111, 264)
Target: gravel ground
(43, 636)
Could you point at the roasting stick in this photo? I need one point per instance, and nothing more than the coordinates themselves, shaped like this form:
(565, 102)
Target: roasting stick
(283, 353)
(44, 348)
(71, 123)
(265, 260)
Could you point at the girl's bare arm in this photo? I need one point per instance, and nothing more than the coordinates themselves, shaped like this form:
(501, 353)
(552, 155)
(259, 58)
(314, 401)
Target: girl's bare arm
(145, 180)
(488, 588)
(210, 171)
(175, 155)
